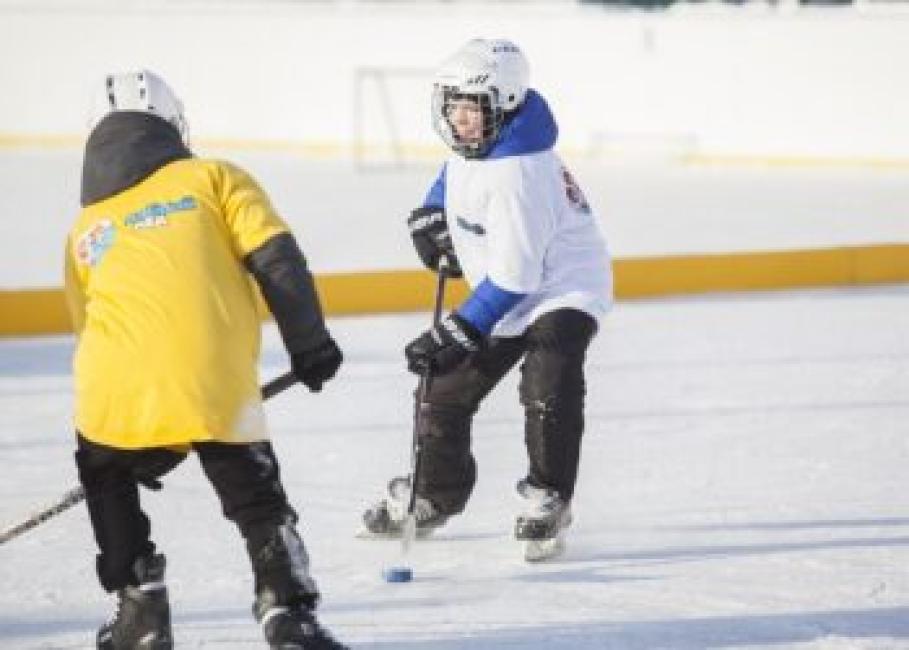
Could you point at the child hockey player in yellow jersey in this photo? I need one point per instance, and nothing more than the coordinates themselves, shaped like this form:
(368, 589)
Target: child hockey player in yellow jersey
(157, 268)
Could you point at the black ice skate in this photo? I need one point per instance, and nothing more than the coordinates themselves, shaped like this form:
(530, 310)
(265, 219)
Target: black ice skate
(293, 628)
(386, 519)
(142, 621)
(542, 523)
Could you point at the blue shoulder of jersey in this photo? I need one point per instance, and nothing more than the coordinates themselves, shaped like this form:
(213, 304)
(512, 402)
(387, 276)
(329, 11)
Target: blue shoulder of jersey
(532, 129)
(487, 305)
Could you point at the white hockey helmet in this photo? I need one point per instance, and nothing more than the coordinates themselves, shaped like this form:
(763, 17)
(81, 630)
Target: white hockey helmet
(492, 72)
(139, 90)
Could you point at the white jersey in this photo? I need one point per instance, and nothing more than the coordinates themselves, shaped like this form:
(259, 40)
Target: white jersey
(523, 222)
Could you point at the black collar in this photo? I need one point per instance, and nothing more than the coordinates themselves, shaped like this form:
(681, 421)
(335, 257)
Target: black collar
(125, 148)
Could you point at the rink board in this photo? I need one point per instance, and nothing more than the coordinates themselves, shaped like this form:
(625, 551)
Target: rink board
(43, 311)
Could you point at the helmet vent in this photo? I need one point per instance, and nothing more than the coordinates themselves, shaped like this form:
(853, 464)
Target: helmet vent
(139, 90)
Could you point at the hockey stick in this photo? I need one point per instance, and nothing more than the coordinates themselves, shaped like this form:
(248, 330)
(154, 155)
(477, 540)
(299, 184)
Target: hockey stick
(409, 530)
(77, 494)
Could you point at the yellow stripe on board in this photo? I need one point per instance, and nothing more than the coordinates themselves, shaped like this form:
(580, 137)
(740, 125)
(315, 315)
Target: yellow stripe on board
(33, 311)
(43, 311)
(782, 161)
(417, 151)
(641, 277)
(384, 292)
(44, 141)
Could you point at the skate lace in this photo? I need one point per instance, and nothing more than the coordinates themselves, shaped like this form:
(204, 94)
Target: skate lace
(423, 509)
(116, 621)
(107, 628)
(540, 502)
(115, 618)
(398, 498)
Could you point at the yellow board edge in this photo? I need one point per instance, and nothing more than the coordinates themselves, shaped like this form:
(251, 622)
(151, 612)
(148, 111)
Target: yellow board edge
(29, 312)
(396, 152)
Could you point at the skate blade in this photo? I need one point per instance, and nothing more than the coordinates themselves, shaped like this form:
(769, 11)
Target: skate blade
(364, 533)
(540, 550)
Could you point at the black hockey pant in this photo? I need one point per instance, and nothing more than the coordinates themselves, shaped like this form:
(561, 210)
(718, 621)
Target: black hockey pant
(247, 481)
(551, 390)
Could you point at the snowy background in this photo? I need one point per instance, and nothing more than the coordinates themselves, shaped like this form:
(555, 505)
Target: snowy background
(744, 478)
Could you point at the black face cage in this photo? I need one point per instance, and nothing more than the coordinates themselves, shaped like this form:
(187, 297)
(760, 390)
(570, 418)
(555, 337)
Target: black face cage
(493, 116)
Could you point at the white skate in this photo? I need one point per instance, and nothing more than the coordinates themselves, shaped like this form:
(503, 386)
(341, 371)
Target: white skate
(541, 525)
(386, 519)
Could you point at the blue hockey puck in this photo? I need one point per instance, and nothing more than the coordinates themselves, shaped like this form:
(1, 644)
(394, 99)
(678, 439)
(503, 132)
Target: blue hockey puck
(398, 574)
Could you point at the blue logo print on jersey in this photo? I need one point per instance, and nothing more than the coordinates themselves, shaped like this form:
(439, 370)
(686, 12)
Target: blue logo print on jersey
(475, 228)
(573, 192)
(155, 215)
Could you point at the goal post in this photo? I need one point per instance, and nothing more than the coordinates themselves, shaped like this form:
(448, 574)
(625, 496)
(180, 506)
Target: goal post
(392, 127)
(392, 118)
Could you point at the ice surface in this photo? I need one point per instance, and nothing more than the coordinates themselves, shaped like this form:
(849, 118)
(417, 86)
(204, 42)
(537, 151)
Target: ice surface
(743, 485)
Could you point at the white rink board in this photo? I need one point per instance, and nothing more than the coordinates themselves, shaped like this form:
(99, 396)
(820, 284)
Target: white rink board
(349, 221)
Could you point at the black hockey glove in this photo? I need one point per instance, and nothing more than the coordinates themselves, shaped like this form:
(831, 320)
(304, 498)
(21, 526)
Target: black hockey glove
(314, 367)
(443, 348)
(431, 238)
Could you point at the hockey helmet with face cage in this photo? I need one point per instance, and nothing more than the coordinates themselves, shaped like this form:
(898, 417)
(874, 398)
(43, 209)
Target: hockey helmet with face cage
(491, 72)
(140, 90)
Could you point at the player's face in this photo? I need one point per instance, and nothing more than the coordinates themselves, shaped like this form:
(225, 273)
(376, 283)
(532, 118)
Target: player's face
(466, 118)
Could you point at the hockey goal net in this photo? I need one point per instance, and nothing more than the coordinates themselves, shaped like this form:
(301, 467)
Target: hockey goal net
(391, 118)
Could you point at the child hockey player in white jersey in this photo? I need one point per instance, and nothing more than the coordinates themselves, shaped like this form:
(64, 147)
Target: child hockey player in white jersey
(507, 214)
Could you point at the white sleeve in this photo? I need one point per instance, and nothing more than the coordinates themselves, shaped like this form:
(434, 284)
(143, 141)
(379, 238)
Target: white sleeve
(519, 225)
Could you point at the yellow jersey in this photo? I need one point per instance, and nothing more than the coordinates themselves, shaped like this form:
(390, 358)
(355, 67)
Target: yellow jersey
(164, 310)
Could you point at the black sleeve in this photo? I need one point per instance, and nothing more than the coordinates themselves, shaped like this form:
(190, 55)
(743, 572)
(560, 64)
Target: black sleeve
(287, 285)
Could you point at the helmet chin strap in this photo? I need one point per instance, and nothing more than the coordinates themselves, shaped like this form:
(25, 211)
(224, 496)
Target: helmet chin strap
(473, 150)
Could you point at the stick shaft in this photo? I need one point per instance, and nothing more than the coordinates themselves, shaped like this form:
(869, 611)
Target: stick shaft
(77, 494)
(409, 531)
